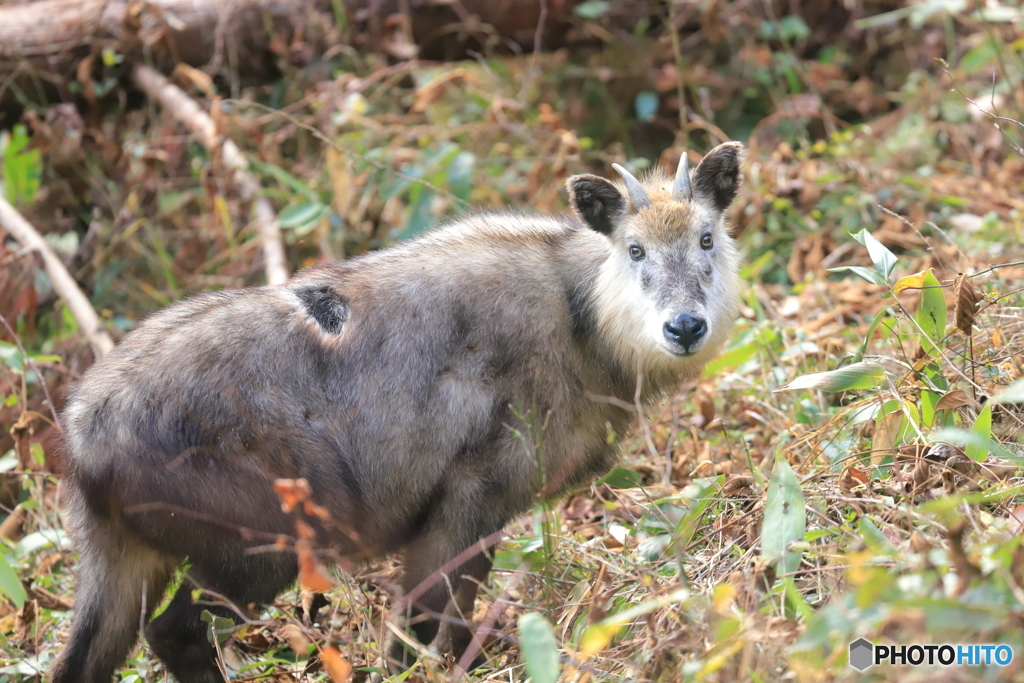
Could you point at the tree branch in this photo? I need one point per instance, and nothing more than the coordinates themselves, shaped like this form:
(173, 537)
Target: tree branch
(185, 109)
(65, 285)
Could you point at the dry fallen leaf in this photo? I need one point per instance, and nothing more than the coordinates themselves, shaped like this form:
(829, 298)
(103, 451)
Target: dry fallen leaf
(311, 572)
(859, 476)
(1017, 519)
(292, 492)
(22, 432)
(296, 637)
(965, 303)
(955, 399)
(884, 437)
(337, 668)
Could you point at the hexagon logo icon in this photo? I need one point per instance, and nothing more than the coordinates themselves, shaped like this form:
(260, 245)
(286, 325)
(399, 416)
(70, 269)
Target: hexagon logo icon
(862, 654)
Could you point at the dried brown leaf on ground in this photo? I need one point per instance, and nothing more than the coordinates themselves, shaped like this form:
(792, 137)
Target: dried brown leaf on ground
(965, 304)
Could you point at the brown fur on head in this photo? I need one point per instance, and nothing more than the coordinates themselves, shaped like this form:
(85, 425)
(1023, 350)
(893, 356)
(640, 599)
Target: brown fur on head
(671, 264)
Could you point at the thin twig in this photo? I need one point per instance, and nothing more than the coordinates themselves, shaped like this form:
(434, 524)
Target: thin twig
(319, 135)
(187, 111)
(485, 627)
(677, 52)
(65, 285)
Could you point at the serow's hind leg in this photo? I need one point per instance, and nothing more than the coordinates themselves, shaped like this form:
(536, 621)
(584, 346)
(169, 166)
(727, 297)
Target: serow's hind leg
(118, 583)
(179, 635)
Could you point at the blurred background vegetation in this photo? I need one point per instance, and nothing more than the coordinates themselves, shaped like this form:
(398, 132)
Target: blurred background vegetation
(850, 465)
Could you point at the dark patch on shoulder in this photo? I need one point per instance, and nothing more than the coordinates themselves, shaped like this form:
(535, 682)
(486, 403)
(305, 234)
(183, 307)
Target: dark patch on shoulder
(328, 308)
(100, 418)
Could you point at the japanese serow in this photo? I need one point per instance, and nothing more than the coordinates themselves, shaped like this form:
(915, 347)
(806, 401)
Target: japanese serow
(398, 384)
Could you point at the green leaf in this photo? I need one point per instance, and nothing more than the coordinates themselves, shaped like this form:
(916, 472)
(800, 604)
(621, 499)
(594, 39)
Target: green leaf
(982, 431)
(222, 627)
(931, 313)
(883, 259)
(111, 57)
(10, 585)
(929, 399)
(785, 520)
(597, 636)
(855, 376)
(421, 217)
(297, 185)
(874, 537)
(10, 355)
(1013, 393)
(9, 461)
(791, 27)
(299, 214)
(646, 105)
(690, 522)
(30, 667)
(621, 478)
(539, 647)
(22, 170)
(37, 540)
(874, 277)
(593, 9)
(732, 359)
(962, 437)
(979, 56)
(460, 174)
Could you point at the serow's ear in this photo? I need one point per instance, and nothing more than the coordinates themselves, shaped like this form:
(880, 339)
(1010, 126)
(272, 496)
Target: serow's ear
(717, 177)
(597, 201)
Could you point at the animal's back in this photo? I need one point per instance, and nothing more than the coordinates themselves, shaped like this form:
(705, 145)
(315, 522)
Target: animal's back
(378, 380)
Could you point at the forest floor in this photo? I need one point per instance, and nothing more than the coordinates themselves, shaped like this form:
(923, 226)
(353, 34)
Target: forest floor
(850, 465)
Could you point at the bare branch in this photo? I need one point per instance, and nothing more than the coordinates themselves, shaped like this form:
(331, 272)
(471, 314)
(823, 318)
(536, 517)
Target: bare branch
(65, 285)
(185, 109)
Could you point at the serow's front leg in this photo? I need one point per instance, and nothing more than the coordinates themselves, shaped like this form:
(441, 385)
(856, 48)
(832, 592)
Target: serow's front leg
(441, 615)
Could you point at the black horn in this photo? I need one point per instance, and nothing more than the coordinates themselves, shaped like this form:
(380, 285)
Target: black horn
(637, 193)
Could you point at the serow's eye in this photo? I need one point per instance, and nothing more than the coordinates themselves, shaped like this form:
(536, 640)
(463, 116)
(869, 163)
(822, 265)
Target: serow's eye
(636, 253)
(706, 242)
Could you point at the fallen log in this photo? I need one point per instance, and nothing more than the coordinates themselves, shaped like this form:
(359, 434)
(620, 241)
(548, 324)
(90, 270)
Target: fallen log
(47, 44)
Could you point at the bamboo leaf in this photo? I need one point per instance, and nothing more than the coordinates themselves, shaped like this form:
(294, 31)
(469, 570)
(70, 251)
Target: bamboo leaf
(856, 376)
(10, 585)
(883, 259)
(539, 647)
(1014, 393)
(931, 313)
(982, 432)
(785, 520)
(871, 276)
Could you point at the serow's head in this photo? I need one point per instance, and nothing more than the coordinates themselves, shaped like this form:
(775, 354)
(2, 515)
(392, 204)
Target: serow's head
(669, 287)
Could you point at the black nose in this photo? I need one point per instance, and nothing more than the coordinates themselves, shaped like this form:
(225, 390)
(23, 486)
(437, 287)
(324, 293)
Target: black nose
(685, 330)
